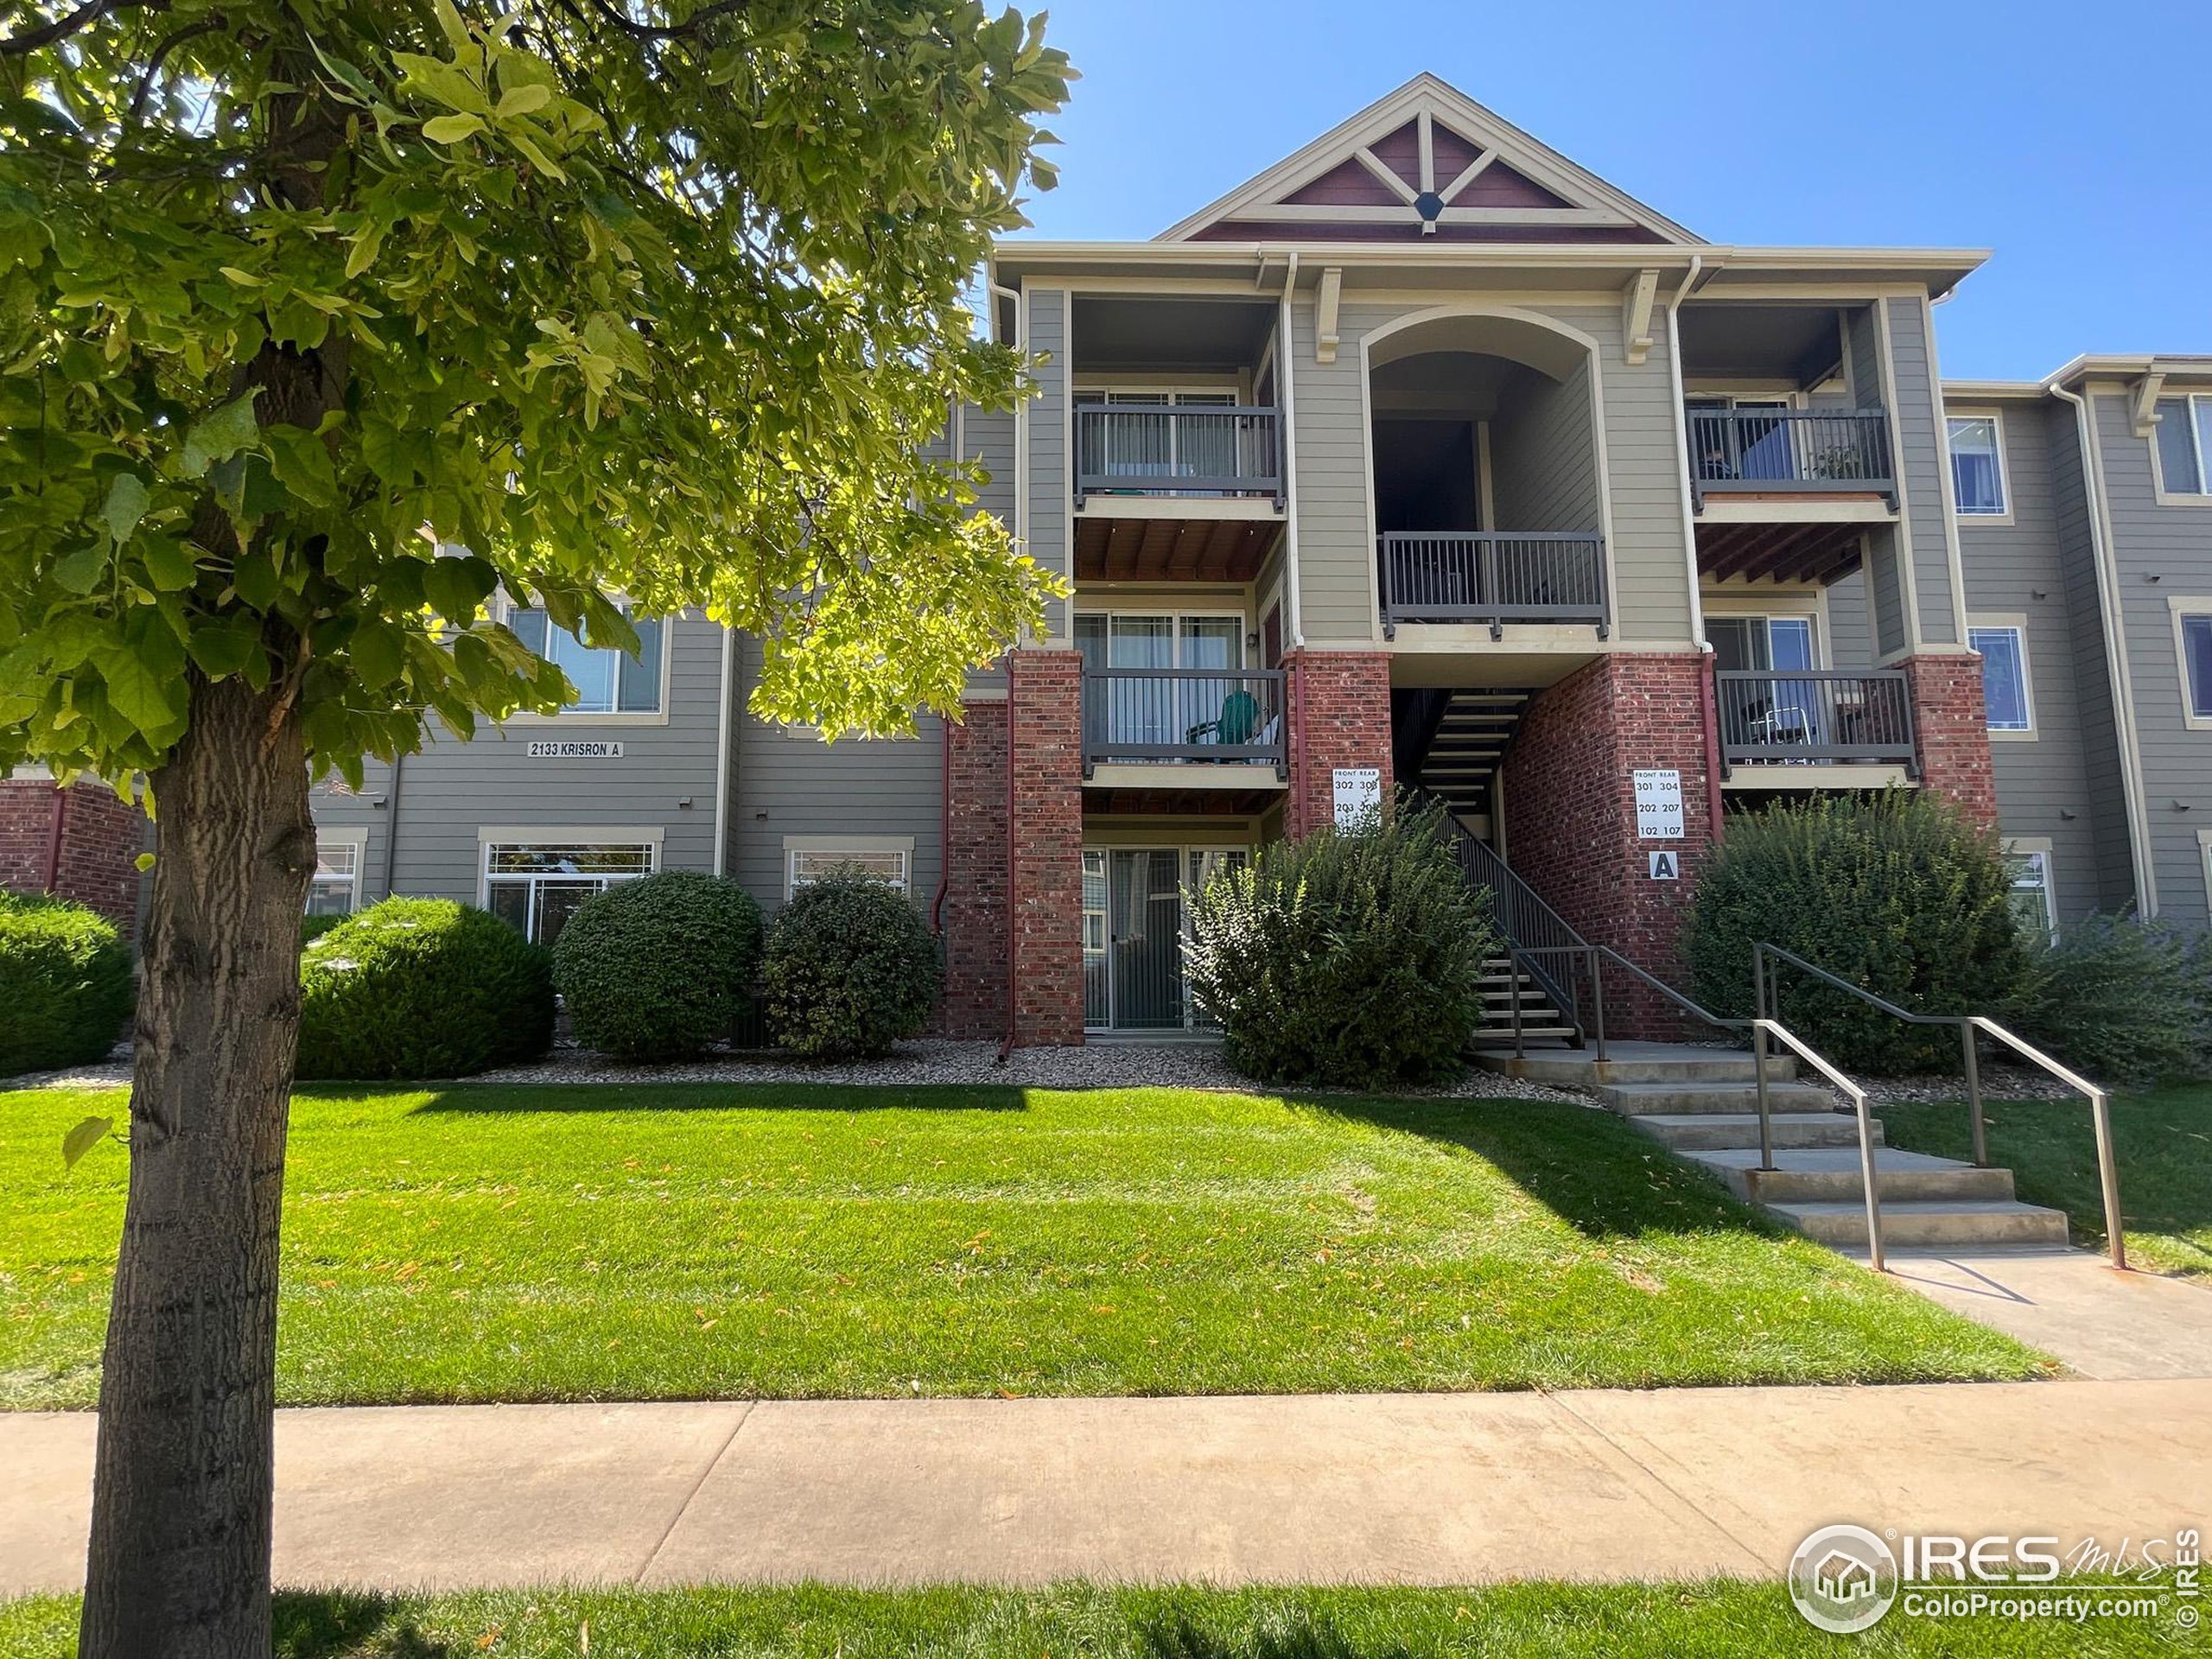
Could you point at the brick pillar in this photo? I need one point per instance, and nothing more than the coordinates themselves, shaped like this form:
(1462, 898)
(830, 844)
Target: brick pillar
(1045, 708)
(1339, 715)
(96, 862)
(1951, 732)
(975, 894)
(1570, 815)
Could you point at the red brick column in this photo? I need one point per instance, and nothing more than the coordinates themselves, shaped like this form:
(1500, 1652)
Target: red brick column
(1045, 705)
(100, 840)
(975, 893)
(1951, 731)
(1570, 814)
(1339, 715)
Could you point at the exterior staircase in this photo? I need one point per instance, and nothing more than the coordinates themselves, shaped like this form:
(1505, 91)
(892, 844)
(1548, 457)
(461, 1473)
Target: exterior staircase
(1702, 1104)
(1542, 1020)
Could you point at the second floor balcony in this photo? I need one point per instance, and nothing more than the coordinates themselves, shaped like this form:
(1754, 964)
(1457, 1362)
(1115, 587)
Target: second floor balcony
(1209, 718)
(1493, 578)
(1763, 451)
(1774, 722)
(1214, 449)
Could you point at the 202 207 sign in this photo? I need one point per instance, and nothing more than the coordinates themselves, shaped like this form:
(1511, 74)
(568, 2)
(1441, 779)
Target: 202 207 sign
(1658, 804)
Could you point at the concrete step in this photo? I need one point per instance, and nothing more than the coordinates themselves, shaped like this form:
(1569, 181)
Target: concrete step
(1951, 1222)
(1832, 1175)
(1530, 1031)
(1636, 1099)
(1638, 1062)
(1722, 1131)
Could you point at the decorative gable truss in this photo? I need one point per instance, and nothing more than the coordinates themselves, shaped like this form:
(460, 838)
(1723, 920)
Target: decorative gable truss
(1427, 162)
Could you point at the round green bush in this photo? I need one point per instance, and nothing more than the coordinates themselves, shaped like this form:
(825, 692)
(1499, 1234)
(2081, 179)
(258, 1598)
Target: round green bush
(1895, 893)
(422, 987)
(66, 986)
(2120, 1000)
(1352, 958)
(851, 969)
(658, 967)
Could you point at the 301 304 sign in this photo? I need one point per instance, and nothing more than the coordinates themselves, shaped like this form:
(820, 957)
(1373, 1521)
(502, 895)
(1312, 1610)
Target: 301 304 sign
(1658, 803)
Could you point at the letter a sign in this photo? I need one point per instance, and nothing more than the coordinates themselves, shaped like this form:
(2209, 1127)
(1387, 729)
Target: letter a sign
(1665, 867)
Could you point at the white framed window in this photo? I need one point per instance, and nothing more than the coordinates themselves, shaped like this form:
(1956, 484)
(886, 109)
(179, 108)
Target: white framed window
(2192, 653)
(336, 887)
(2182, 443)
(534, 880)
(2034, 902)
(607, 682)
(807, 859)
(2007, 704)
(1978, 466)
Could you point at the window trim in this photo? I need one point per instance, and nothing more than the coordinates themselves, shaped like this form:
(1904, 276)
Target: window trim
(354, 836)
(504, 608)
(1995, 416)
(2036, 847)
(2178, 606)
(902, 845)
(2201, 496)
(2016, 624)
(563, 835)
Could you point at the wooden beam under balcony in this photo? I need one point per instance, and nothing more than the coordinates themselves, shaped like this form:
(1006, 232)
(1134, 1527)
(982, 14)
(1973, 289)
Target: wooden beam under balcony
(1819, 553)
(1172, 549)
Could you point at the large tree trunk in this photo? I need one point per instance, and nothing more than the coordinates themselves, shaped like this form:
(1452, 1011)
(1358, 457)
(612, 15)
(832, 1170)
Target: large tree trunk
(184, 1485)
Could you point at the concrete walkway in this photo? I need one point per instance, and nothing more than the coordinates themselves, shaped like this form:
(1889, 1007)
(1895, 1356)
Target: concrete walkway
(2074, 1306)
(1414, 1489)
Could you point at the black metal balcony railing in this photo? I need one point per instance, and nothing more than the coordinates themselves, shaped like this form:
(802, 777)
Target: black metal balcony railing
(1796, 716)
(1204, 714)
(1200, 449)
(1493, 576)
(1792, 449)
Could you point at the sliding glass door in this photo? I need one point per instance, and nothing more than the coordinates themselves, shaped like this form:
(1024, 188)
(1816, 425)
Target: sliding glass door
(1133, 922)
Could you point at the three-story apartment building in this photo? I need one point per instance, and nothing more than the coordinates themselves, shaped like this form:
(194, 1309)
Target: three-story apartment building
(1428, 458)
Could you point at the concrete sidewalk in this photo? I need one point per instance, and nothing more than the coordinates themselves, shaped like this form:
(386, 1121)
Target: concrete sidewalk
(1407, 1489)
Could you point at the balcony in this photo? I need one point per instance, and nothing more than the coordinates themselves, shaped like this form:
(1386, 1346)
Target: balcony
(1494, 577)
(1208, 451)
(1789, 452)
(1218, 724)
(1790, 723)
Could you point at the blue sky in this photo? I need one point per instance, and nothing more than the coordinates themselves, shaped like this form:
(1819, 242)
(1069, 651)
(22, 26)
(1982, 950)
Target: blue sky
(2074, 141)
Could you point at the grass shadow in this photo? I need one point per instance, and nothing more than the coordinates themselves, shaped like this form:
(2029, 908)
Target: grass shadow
(1585, 1166)
(481, 1099)
(321, 1624)
(1180, 1638)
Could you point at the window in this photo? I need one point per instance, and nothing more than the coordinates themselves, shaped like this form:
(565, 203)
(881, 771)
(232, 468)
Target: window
(2183, 437)
(536, 887)
(2034, 904)
(887, 860)
(607, 682)
(2004, 677)
(2193, 642)
(1761, 642)
(1977, 465)
(336, 887)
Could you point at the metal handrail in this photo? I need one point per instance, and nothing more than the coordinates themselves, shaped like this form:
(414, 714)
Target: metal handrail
(2100, 1101)
(1790, 450)
(1139, 714)
(1492, 576)
(1153, 459)
(1514, 905)
(1762, 1028)
(1802, 716)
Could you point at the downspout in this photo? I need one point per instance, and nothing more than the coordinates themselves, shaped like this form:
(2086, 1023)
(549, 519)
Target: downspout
(943, 825)
(1293, 610)
(1005, 1044)
(1708, 692)
(54, 837)
(722, 724)
(391, 827)
(2101, 557)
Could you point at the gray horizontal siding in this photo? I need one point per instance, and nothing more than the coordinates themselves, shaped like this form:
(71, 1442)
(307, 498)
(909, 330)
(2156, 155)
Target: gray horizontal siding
(1920, 465)
(1052, 503)
(451, 789)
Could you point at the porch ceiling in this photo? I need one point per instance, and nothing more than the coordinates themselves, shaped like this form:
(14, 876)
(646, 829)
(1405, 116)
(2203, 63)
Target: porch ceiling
(1820, 553)
(1178, 550)
(1180, 803)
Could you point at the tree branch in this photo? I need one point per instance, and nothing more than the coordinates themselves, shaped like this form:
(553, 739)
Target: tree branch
(688, 27)
(46, 34)
(206, 26)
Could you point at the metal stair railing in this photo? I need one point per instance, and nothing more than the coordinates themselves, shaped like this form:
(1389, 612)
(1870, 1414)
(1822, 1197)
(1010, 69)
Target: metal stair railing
(1766, 960)
(1762, 1028)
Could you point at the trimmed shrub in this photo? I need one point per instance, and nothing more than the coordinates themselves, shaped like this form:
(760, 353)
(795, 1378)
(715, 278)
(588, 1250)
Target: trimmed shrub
(658, 967)
(1897, 893)
(66, 986)
(851, 969)
(422, 987)
(2119, 1000)
(314, 927)
(1351, 957)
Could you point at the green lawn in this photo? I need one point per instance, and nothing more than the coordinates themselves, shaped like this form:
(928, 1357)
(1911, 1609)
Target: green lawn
(1076, 1622)
(2162, 1142)
(474, 1243)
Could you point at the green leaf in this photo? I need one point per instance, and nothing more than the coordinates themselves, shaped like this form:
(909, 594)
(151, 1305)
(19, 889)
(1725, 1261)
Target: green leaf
(82, 1138)
(218, 436)
(168, 562)
(302, 463)
(127, 501)
(457, 585)
(141, 688)
(254, 578)
(79, 572)
(522, 100)
(143, 863)
(452, 129)
(377, 655)
(223, 646)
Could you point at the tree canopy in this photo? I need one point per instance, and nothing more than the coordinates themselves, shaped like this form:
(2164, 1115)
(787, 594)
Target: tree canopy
(322, 322)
